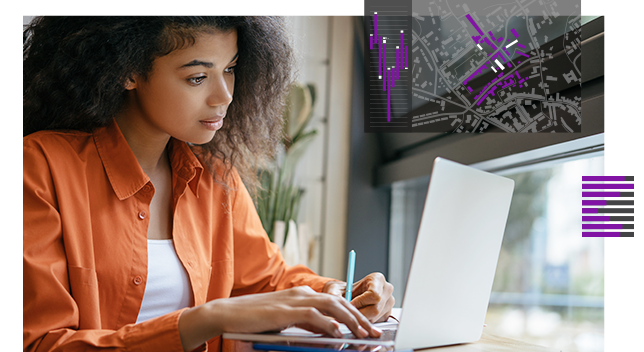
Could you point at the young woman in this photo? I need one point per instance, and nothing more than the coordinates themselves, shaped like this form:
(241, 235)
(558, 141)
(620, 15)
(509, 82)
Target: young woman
(139, 232)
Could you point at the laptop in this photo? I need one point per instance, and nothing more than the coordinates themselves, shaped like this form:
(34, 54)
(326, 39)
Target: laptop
(451, 273)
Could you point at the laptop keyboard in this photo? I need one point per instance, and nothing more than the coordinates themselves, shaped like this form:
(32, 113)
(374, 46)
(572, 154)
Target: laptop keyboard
(387, 335)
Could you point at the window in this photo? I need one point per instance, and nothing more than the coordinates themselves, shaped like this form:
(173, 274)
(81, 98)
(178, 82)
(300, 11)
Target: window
(549, 283)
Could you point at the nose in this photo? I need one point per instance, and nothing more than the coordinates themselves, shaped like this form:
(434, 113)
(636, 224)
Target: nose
(221, 91)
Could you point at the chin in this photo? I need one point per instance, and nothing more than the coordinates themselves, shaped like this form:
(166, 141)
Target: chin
(199, 140)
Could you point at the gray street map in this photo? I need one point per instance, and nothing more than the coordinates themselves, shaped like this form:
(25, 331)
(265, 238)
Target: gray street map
(515, 65)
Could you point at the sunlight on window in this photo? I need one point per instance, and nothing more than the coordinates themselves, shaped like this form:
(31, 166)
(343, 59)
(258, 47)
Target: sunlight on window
(549, 283)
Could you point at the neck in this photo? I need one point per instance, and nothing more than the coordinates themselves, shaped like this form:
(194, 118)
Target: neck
(149, 149)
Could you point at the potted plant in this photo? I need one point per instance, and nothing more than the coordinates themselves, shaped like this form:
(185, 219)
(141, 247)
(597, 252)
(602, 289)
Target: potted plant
(278, 198)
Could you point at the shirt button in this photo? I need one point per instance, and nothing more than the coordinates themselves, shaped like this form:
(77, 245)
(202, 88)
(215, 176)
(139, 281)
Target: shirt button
(142, 215)
(137, 280)
(146, 188)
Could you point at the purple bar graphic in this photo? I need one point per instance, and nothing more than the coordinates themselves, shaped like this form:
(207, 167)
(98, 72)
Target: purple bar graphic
(602, 226)
(375, 24)
(388, 100)
(593, 202)
(600, 194)
(589, 210)
(370, 41)
(595, 218)
(384, 57)
(607, 186)
(379, 57)
(606, 178)
(600, 234)
(402, 43)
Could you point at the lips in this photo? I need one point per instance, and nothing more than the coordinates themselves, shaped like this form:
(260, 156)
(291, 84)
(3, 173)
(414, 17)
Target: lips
(213, 123)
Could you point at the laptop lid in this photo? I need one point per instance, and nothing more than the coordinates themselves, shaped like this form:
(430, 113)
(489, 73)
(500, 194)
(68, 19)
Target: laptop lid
(455, 256)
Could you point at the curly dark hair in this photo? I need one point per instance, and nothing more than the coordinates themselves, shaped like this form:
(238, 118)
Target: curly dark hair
(75, 69)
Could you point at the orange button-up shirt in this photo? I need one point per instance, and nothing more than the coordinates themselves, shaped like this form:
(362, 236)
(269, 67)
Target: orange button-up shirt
(86, 213)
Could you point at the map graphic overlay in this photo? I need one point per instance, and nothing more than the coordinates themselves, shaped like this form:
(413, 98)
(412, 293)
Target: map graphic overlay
(491, 66)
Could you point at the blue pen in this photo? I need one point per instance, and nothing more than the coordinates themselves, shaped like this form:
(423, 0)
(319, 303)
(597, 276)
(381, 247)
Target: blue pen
(351, 266)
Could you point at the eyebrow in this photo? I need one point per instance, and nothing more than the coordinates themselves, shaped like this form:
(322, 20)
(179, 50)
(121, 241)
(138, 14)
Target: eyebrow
(204, 63)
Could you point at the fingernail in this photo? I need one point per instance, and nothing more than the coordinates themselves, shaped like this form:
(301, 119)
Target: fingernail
(363, 332)
(376, 329)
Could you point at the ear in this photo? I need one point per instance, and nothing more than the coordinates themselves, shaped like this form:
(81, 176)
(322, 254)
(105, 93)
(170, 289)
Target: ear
(130, 83)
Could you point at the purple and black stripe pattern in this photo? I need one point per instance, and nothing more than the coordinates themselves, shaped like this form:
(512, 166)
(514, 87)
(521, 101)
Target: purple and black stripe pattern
(597, 214)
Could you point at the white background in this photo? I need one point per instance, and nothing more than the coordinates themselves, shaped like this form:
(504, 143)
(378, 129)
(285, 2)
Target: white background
(624, 314)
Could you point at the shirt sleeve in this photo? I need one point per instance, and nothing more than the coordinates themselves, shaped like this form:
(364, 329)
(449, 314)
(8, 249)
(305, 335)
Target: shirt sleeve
(258, 265)
(53, 317)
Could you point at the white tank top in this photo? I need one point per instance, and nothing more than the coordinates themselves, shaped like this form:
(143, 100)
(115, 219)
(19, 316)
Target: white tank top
(168, 287)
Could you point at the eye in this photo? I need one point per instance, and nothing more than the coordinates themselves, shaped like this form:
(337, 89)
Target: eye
(230, 69)
(196, 80)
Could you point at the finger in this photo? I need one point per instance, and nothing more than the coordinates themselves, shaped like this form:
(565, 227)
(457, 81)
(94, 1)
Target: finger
(369, 290)
(311, 319)
(346, 313)
(317, 330)
(336, 288)
(374, 312)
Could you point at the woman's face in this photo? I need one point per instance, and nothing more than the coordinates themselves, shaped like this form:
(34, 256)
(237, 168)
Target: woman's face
(188, 91)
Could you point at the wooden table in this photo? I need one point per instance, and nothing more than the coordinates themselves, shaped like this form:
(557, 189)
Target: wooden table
(492, 343)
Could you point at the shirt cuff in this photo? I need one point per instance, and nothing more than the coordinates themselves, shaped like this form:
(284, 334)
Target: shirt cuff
(157, 334)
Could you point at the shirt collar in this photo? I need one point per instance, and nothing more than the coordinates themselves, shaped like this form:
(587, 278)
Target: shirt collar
(123, 170)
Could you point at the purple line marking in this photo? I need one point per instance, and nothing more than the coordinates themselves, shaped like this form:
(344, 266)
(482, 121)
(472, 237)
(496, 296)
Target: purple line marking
(521, 45)
(371, 42)
(514, 32)
(384, 80)
(600, 234)
(375, 26)
(384, 68)
(603, 178)
(589, 210)
(491, 36)
(522, 54)
(593, 202)
(476, 38)
(388, 104)
(600, 194)
(607, 186)
(476, 26)
(601, 226)
(488, 42)
(379, 58)
(595, 218)
(476, 73)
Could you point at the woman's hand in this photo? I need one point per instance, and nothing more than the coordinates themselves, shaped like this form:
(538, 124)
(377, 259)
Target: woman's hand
(299, 306)
(372, 296)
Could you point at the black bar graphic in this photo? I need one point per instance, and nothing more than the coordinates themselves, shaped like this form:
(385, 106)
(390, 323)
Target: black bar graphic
(616, 210)
(627, 194)
(621, 218)
(627, 234)
(629, 178)
(620, 202)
